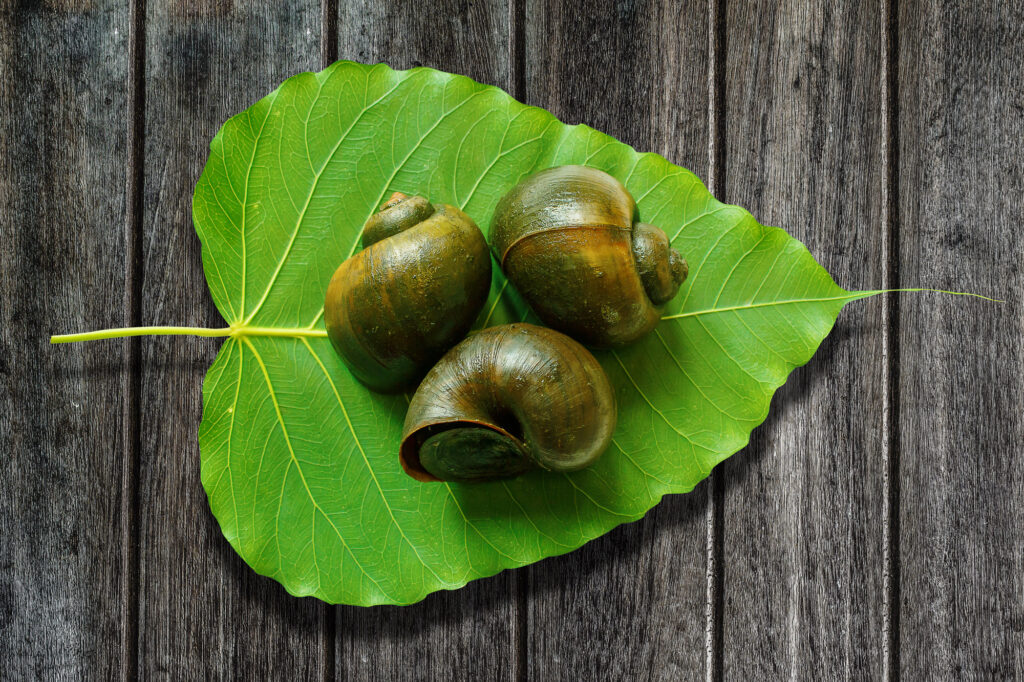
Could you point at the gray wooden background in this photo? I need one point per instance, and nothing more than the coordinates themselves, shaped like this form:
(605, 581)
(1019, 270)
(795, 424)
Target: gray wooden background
(873, 529)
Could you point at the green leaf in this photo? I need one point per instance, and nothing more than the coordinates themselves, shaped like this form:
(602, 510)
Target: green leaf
(300, 461)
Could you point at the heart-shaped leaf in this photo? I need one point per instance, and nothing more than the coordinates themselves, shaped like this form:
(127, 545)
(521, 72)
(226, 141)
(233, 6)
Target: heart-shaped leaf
(300, 461)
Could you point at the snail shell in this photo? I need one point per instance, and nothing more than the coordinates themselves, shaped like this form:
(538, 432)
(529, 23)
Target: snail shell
(414, 290)
(505, 400)
(567, 238)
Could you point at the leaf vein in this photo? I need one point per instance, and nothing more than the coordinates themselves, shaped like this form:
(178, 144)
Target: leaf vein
(298, 468)
(366, 461)
(309, 197)
(661, 414)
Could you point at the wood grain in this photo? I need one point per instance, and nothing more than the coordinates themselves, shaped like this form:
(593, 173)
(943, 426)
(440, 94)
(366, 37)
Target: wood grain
(855, 126)
(961, 386)
(630, 605)
(469, 38)
(63, 162)
(472, 633)
(803, 539)
(203, 612)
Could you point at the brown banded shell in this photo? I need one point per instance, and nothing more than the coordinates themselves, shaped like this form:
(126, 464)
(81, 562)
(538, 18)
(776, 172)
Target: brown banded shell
(505, 400)
(412, 293)
(568, 239)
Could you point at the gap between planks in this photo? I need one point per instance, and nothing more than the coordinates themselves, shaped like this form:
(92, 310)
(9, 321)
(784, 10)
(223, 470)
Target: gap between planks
(715, 589)
(132, 415)
(891, 344)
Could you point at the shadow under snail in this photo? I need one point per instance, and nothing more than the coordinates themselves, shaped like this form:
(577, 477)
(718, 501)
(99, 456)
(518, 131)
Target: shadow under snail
(414, 290)
(505, 400)
(569, 241)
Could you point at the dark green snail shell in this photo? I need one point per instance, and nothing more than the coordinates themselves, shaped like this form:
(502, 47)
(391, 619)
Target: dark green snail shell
(412, 293)
(505, 400)
(567, 238)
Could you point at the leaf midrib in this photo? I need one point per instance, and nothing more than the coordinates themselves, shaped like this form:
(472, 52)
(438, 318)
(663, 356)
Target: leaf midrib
(243, 331)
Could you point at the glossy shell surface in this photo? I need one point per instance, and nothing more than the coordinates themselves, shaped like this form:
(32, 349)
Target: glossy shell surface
(564, 238)
(397, 306)
(544, 396)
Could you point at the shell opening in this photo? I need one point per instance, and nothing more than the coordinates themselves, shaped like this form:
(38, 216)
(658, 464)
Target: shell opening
(465, 451)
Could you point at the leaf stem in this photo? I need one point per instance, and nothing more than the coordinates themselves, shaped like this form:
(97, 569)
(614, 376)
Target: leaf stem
(138, 331)
(232, 331)
(305, 332)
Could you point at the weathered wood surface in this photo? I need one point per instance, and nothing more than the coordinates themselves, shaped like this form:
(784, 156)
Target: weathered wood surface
(472, 633)
(630, 605)
(63, 431)
(961, 370)
(804, 148)
(202, 613)
(875, 525)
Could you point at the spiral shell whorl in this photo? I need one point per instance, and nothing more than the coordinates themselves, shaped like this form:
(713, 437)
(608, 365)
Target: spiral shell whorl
(505, 400)
(661, 268)
(394, 308)
(398, 214)
(568, 239)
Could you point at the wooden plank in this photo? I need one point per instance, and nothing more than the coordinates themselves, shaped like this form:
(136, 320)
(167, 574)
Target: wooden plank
(629, 605)
(472, 633)
(471, 39)
(203, 612)
(961, 75)
(803, 553)
(63, 162)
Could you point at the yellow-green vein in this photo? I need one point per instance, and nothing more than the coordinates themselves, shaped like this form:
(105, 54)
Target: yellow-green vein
(686, 374)
(309, 197)
(852, 296)
(369, 467)
(470, 524)
(231, 427)
(245, 190)
(298, 468)
(400, 166)
(658, 412)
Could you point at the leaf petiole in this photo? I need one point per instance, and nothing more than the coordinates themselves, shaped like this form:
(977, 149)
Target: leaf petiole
(232, 331)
